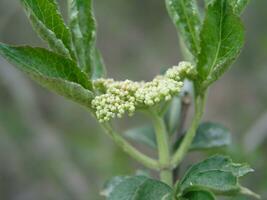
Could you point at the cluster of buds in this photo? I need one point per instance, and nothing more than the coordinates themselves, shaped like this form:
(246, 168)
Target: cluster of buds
(182, 71)
(160, 88)
(120, 97)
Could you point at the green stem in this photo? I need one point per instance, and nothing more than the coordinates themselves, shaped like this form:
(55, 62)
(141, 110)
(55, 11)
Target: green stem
(190, 134)
(163, 148)
(129, 149)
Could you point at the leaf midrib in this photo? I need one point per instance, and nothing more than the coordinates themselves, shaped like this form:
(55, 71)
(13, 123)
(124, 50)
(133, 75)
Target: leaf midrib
(220, 41)
(190, 27)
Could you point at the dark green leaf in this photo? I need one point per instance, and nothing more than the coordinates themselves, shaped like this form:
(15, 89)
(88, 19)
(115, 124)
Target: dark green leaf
(111, 185)
(199, 195)
(185, 16)
(218, 181)
(99, 70)
(143, 134)
(139, 188)
(48, 23)
(217, 173)
(211, 135)
(83, 28)
(172, 116)
(222, 38)
(50, 70)
(219, 162)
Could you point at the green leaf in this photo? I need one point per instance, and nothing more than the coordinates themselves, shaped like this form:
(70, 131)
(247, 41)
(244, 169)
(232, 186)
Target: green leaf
(138, 188)
(219, 162)
(144, 134)
(248, 192)
(172, 116)
(222, 38)
(83, 29)
(239, 197)
(211, 135)
(199, 195)
(51, 70)
(217, 173)
(48, 23)
(220, 182)
(111, 185)
(239, 5)
(185, 16)
(99, 70)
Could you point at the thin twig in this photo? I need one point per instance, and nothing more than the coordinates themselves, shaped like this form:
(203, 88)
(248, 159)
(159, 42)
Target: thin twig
(129, 149)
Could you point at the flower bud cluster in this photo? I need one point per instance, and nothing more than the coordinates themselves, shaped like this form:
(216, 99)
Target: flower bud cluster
(117, 100)
(161, 88)
(120, 97)
(182, 71)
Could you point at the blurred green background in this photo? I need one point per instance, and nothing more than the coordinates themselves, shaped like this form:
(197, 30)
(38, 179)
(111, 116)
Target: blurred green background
(52, 149)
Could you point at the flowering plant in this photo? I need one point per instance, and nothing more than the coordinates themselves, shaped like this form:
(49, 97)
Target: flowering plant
(74, 68)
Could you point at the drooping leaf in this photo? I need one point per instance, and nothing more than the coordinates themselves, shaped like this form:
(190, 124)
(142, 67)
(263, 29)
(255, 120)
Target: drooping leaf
(218, 174)
(186, 18)
(99, 70)
(144, 134)
(211, 135)
(51, 70)
(199, 195)
(139, 188)
(83, 29)
(172, 116)
(221, 40)
(48, 23)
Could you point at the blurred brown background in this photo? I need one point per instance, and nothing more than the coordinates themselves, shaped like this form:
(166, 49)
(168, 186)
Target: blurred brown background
(52, 149)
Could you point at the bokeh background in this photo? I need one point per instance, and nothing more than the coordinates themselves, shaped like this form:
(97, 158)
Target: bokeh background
(51, 148)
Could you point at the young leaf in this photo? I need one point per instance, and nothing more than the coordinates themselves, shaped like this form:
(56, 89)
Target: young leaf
(199, 195)
(143, 134)
(172, 116)
(218, 174)
(139, 188)
(99, 70)
(51, 70)
(48, 23)
(83, 29)
(185, 16)
(211, 135)
(222, 38)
